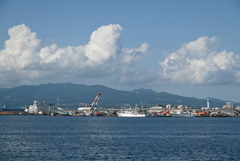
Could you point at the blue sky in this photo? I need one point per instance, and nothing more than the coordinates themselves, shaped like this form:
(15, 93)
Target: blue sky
(186, 47)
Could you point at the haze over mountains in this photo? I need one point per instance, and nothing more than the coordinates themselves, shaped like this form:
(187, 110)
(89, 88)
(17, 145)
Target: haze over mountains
(73, 94)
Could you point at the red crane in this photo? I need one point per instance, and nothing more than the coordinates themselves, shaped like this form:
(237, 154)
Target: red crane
(95, 102)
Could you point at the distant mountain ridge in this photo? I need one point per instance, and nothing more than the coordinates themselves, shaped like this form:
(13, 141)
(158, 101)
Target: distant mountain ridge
(142, 90)
(72, 94)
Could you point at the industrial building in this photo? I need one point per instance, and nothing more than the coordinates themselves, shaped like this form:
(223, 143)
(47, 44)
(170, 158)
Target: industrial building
(11, 110)
(84, 108)
(229, 105)
(39, 108)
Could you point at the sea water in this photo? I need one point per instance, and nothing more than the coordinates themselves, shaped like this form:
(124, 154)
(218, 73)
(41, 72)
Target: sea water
(111, 138)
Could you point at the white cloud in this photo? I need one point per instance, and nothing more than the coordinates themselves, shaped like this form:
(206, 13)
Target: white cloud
(131, 56)
(25, 58)
(20, 49)
(196, 62)
(104, 44)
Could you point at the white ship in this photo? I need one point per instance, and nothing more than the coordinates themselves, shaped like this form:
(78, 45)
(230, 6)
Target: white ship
(180, 113)
(130, 113)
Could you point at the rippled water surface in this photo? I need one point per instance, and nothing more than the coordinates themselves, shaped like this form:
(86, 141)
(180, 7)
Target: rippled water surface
(113, 138)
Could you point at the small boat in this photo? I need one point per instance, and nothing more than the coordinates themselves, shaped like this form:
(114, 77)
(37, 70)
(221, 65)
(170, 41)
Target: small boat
(180, 113)
(130, 113)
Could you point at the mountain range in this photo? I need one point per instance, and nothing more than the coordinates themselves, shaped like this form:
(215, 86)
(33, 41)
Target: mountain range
(71, 95)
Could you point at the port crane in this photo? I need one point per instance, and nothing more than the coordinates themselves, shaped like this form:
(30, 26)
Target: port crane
(94, 104)
(93, 107)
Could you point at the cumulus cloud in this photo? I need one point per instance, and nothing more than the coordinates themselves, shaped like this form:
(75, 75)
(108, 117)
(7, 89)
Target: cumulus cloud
(197, 62)
(20, 49)
(25, 58)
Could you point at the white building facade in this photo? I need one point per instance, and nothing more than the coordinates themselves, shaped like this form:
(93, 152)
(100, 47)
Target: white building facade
(41, 107)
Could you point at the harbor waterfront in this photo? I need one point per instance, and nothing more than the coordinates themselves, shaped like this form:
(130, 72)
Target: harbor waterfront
(148, 112)
(159, 110)
(114, 138)
(169, 111)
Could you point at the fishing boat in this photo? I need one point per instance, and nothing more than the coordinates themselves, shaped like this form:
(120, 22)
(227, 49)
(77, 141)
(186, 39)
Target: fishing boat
(130, 113)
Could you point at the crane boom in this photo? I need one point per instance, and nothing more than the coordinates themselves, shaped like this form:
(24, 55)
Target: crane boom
(95, 101)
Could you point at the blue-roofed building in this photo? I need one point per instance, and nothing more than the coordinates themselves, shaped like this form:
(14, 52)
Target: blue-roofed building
(15, 110)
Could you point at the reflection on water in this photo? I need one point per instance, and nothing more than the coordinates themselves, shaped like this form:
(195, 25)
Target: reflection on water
(112, 138)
